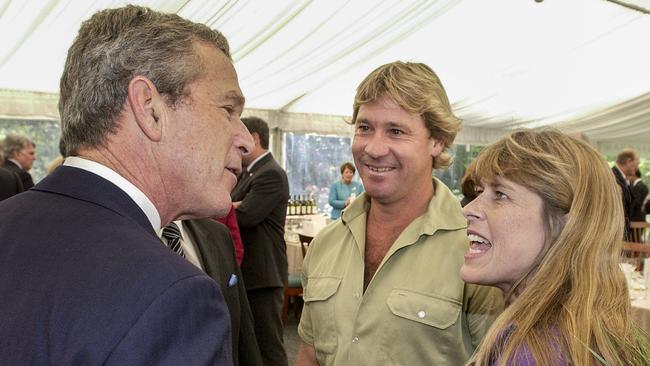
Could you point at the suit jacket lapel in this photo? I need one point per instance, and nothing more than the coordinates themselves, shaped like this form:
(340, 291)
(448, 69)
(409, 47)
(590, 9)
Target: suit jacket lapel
(241, 188)
(199, 238)
(205, 249)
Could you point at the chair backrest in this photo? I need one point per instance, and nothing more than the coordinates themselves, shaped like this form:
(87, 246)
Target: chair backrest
(636, 251)
(305, 240)
(638, 231)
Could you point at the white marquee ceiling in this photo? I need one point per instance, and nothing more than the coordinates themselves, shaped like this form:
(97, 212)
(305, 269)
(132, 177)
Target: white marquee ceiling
(582, 65)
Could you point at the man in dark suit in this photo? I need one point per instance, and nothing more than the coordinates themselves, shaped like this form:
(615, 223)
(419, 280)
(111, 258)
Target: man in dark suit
(10, 184)
(20, 153)
(627, 162)
(260, 199)
(216, 257)
(639, 192)
(142, 93)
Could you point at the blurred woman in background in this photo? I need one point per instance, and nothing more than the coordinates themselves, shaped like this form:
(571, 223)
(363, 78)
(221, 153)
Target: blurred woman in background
(344, 191)
(546, 227)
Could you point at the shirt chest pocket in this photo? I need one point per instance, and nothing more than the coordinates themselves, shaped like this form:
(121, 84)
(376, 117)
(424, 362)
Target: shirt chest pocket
(425, 309)
(319, 297)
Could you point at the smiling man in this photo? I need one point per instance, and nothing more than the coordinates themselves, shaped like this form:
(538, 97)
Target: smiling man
(150, 107)
(382, 285)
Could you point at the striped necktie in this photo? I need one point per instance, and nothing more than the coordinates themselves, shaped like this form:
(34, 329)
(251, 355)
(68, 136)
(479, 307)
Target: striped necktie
(172, 233)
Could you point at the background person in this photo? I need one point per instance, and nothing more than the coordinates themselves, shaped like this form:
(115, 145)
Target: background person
(627, 163)
(467, 185)
(260, 201)
(343, 192)
(143, 93)
(208, 245)
(639, 192)
(10, 183)
(546, 228)
(382, 284)
(230, 221)
(19, 152)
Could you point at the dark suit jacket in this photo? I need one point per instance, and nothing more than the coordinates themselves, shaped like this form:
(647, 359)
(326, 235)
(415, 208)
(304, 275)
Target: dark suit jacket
(264, 192)
(639, 192)
(10, 184)
(86, 281)
(627, 199)
(216, 253)
(25, 177)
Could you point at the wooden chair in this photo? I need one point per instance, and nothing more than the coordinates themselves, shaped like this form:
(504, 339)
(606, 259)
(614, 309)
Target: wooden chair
(638, 231)
(636, 251)
(305, 240)
(293, 286)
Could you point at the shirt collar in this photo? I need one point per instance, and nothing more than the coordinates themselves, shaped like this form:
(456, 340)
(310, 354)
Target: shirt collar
(16, 162)
(112, 176)
(250, 166)
(443, 213)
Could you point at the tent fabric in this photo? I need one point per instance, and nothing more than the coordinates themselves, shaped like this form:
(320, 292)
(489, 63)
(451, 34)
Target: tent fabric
(579, 65)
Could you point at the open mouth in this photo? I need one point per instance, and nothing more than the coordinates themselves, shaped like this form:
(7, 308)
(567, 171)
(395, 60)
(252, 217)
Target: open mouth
(478, 244)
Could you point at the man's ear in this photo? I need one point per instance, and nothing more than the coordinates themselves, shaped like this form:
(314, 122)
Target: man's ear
(147, 106)
(436, 147)
(256, 138)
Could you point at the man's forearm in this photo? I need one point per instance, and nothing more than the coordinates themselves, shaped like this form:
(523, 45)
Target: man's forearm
(306, 355)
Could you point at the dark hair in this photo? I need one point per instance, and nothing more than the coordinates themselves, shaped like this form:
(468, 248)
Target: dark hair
(467, 185)
(625, 156)
(347, 165)
(259, 126)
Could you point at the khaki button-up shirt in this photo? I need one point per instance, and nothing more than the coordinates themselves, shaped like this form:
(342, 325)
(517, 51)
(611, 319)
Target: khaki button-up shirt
(416, 310)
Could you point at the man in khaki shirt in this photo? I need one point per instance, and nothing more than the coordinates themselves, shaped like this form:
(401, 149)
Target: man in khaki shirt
(382, 285)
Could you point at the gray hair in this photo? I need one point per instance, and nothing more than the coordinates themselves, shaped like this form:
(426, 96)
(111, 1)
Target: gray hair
(114, 46)
(13, 143)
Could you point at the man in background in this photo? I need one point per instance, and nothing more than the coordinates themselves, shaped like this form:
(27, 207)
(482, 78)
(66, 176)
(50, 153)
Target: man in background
(142, 94)
(382, 285)
(20, 153)
(10, 183)
(639, 192)
(627, 163)
(260, 201)
(208, 245)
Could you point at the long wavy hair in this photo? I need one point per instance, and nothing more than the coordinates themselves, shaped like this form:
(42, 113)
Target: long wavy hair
(573, 301)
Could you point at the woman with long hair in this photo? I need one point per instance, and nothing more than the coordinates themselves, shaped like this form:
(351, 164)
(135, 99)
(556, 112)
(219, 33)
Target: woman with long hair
(546, 227)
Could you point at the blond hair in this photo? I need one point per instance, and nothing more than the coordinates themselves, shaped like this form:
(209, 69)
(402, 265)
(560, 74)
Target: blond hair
(417, 89)
(574, 303)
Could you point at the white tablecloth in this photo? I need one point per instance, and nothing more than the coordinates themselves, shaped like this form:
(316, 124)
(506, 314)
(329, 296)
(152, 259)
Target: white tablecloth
(308, 225)
(294, 255)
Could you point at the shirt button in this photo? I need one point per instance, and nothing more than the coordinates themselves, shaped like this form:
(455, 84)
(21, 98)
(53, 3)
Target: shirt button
(421, 314)
(355, 339)
(356, 295)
